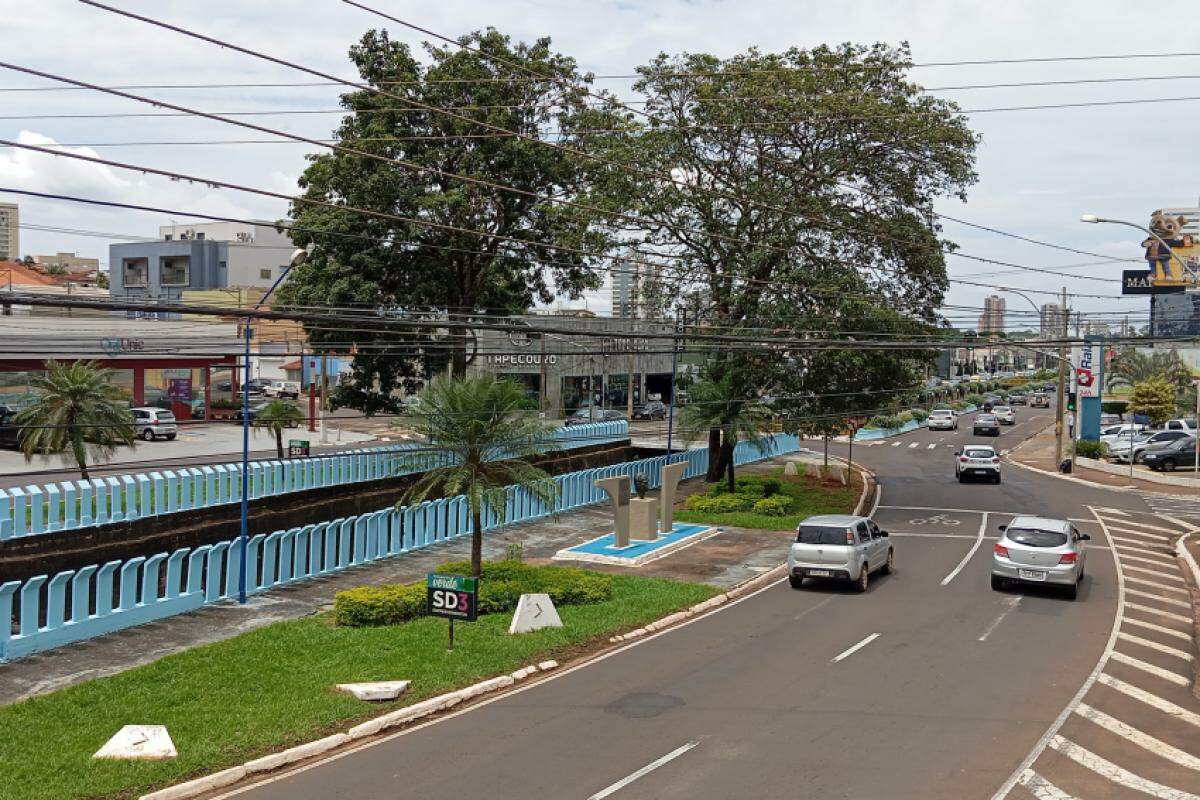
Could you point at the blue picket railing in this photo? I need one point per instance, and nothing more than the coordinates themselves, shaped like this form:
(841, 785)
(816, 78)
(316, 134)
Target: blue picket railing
(52, 507)
(45, 612)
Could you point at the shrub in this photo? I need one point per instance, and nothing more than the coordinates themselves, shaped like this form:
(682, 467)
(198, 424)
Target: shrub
(1114, 407)
(974, 399)
(749, 488)
(960, 405)
(387, 604)
(1088, 449)
(905, 416)
(720, 504)
(884, 421)
(919, 414)
(772, 506)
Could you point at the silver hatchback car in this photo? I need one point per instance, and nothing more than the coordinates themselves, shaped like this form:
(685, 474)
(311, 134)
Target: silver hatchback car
(842, 547)
(1039, 550)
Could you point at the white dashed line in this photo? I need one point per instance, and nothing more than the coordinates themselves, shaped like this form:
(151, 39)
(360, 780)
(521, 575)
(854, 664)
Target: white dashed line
(1154, 701)
(852, 650)
(1153, 645)
(653, 765)
(914, 444)
(1159, 612)
(1010, 603)
(1143, 740)
(1041, 788)
(1162, 587)
(896, 444)
(931, 446)
(1152, 669)
(1150, 626)
(1116, 774)
(1127, 523)
(970, 553)
(1167, 600)
(1161, 537)
(1156, 573)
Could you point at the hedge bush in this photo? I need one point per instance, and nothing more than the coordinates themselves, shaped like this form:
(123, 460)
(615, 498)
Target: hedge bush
(502, 584)
(757, 485)
(718, 504)
(919, 414)
(1114, 406)
(974, 399)
(772, 506)
(1088, 449)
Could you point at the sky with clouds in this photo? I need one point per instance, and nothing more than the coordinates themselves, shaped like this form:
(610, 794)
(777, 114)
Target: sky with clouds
(1039, 169)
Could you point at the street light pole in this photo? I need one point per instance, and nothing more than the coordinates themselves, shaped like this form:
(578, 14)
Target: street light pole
(298, 258)
(1060, 393)
(1095, 220)
(1196, 454)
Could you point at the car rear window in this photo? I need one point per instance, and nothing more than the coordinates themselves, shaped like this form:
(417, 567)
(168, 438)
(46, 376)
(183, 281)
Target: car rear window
(978, 452)
(820, 534)
(1031, 537)
(985, 418)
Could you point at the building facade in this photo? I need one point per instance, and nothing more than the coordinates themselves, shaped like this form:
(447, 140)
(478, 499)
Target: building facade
(10, 232)
(69, 261)
(992, 318)
(1051, 321)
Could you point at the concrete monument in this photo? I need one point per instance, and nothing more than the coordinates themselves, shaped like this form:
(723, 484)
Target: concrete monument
(617, 489)
(671, 474)
(643, 512)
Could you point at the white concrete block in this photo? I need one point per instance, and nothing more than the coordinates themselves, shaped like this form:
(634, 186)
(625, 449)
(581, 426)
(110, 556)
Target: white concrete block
(523, 673)
(297, 753)
(534, 612)
(139, 742)
(375, 691)
(643, 519)
(790, 468)
(483, 687)
(548, 665)
(199, 786)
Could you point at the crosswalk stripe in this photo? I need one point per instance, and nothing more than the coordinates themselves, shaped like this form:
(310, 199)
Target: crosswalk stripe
(931, 446)
(1167, 600)
(1149, 698)
(1141, 739)
(1153, 645)
(1165, 537)
(1152, 547)
(1152, 669)
(896, 444)
(1164, 587)
(1150, 626)
(1158, 611)
(1148, 558)
(1128, 523)
(1116, 774)
(1156, 573)
(1041, 788)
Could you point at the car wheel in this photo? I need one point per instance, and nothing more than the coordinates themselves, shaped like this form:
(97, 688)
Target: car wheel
(889, 566)
(962, 478)
(148, 435)
(796, 581)
(864, 578)
(1073, 591)
(1168, 465)
(170, 437)
(997, 583)
(996, 480)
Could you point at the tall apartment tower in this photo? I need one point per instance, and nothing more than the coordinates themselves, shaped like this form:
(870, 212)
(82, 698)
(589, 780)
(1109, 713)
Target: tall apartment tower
(625, 290)
(992, 318)
(1051, 321)
(10, 233)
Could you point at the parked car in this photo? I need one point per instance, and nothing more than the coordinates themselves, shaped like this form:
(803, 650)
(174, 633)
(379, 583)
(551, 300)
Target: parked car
(1110, 419)
(1127, 431)
(150, 423)
(255, 410)
(1039, 401)
(985, 424)
(942, 419)
(198, 409)
(1005, 414)
(282, 389)
(654, 409)
(1039, 550)
(841, 547)
(1166, 457)
(1188, 425)
(584, 416)
(977, 461)
(1123, 450)
(10, 433)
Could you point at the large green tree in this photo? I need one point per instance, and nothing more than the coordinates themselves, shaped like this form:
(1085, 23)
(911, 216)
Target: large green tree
(444, 267)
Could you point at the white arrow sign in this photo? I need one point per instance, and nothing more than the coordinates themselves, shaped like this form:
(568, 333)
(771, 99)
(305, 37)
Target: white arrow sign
(534, 612)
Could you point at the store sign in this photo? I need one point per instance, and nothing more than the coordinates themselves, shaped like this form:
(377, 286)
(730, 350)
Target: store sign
(1136, 281)
(117, 346)
(519, 360)
(451, 596)
(1087, 371)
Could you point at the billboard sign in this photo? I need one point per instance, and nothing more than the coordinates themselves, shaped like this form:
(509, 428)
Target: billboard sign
(1087, 371)
(1136, 281)
(1167, 248)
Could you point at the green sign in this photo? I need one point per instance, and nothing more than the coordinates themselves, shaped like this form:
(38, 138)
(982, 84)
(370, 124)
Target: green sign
(451, 596)
(299, 448)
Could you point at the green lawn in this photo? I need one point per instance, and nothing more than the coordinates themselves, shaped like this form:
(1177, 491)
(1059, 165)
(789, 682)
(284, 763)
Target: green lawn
(808, 496)
(272, 688)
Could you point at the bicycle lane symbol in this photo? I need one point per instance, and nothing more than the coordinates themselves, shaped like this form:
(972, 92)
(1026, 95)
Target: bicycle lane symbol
(936, 519)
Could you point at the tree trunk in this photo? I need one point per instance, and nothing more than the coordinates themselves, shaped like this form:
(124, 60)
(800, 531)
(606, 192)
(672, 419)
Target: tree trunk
(279, 442)
(80, 454)
(727, 450)
(476, 542)
(716, 457)
(458, 360)
(826, 438)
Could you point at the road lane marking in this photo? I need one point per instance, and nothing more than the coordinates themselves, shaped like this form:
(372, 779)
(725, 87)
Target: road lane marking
(1141, 739)
(1167, 600)
(1153, 547)
(1123, 552)
(1156, 573)
(1116, 511)
(914, 444)
(1116, 774)
(854, 649)
(1150, 626)
(633, 776)
(1153, 645)
(896, 444)
(1161, 586)
(970, 553)
(1149, 668)
(931, 446)
(1127, 524)
(1149, 698)
(1011, 603)
(1125, 527)
(1159, 612)
(1041, 788)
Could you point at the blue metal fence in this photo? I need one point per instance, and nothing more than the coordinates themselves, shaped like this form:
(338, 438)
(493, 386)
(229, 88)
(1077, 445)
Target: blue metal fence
(52, 507)
(45, 612)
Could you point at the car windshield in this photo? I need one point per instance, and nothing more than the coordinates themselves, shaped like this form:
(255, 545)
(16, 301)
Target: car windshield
(941, 412)
(820, 534)
(979, 452)
(985, 418)
(1002, 409)
(1033, 537)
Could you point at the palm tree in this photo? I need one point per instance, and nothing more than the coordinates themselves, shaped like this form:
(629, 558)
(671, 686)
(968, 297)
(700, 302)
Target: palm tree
(484, 442)
(275, 416)
(723, 408)
(1133, 366)
(78, 411)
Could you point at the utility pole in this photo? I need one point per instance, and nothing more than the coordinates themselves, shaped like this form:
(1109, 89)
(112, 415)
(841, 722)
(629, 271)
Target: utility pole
(1062, 375)
(324, 396)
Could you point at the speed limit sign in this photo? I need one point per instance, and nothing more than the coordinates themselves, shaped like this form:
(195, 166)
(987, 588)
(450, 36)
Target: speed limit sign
(451, 596)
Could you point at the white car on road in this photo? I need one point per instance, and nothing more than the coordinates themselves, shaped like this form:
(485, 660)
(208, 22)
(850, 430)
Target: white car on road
(839, 546)
(1005, 414)
(942, 419)
(1039, 550)
(977, 461)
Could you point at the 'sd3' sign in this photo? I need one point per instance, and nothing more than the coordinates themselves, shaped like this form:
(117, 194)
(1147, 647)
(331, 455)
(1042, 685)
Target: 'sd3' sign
(451, 596)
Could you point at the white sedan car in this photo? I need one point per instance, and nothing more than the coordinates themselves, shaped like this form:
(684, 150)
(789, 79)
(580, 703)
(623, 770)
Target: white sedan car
(942, 419)
(1005, 414)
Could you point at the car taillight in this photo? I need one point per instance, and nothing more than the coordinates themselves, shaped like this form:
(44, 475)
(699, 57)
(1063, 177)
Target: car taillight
(995, 459)
(963, 459)
(1068, 558)
(1000, 550)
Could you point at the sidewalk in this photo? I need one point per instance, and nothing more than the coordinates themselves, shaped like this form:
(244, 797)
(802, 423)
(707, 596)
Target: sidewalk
(724, 560)
(1038, 452)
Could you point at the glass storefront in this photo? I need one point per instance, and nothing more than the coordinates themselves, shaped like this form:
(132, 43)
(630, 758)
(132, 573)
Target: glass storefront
(575, 392)
(176, 389)
(532, 384)
(616, 391)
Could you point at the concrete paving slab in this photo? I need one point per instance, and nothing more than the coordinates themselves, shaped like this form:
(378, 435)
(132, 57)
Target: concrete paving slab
(139, 743)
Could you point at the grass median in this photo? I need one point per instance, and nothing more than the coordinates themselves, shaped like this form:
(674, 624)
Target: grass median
(272, 688)
(806, 495)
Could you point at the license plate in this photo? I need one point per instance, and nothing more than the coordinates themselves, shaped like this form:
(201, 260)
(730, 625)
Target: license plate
(1031, 574)
(820, 573)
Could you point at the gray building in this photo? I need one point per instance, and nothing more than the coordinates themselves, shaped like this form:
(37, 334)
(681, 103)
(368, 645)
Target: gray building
(164, 270)
(10, 232)
(565, 370)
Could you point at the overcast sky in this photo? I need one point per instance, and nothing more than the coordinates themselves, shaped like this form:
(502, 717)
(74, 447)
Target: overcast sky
(1038, 169)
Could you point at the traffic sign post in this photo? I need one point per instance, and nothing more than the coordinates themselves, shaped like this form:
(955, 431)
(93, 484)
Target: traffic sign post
(453, 597)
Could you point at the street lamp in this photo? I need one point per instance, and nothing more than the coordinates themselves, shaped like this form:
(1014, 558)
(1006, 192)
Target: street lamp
(299, 256)
(1092, 219)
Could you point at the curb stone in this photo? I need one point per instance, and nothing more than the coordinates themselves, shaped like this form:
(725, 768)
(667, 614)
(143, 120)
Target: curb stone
(1186, 557)
(208, 783)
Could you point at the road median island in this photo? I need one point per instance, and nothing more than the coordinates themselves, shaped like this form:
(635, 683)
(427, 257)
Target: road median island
(266, 698)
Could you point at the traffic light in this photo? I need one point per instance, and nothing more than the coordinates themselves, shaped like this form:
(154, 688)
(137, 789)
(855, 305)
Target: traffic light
(1071, 402)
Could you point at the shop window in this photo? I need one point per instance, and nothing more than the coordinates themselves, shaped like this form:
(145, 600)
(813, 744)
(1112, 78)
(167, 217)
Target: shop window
(176, 270)
(135, 271)
(265, 274)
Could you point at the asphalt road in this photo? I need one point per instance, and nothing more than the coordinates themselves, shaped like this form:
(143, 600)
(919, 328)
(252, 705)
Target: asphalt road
(929, 685)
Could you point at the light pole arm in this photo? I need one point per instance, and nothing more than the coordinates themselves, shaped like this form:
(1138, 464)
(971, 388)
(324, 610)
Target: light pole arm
(1160, 240)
